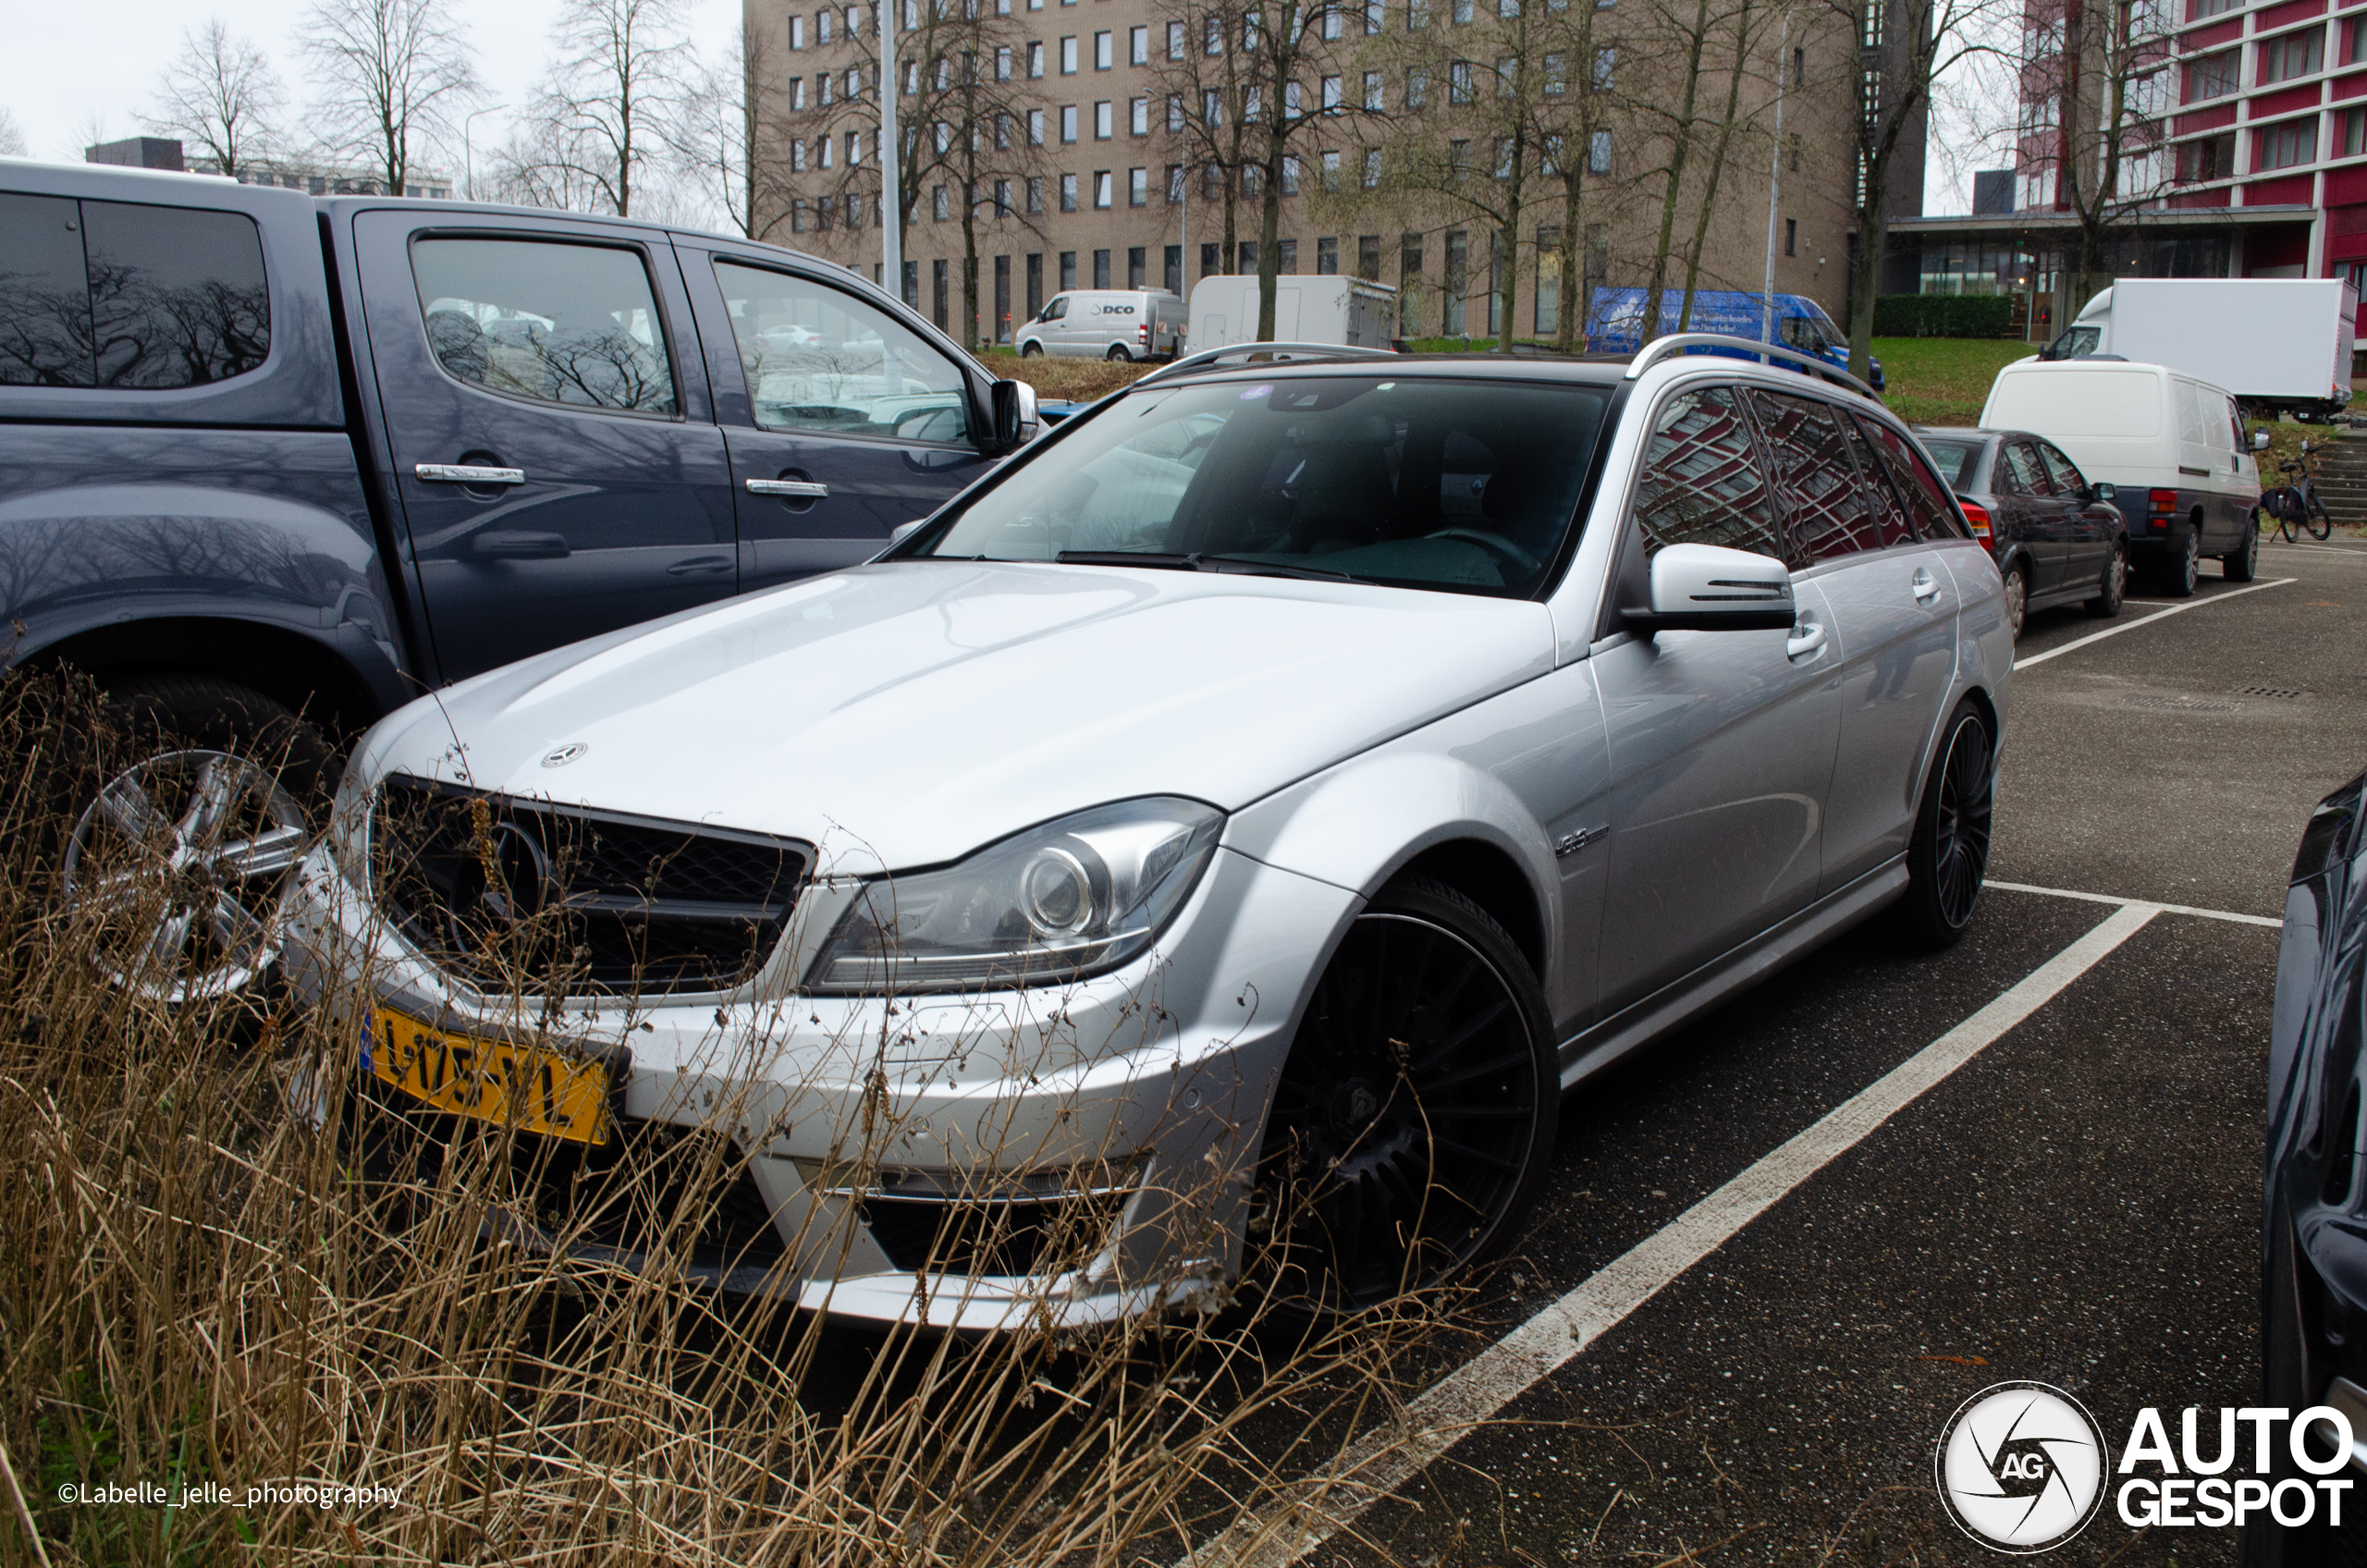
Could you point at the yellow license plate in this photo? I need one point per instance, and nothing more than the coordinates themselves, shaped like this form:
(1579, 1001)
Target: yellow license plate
(522, 1086)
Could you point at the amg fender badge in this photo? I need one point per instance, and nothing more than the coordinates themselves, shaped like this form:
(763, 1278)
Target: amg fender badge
(1572, 843)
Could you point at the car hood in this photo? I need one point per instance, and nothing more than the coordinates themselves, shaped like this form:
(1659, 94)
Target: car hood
(904, 714)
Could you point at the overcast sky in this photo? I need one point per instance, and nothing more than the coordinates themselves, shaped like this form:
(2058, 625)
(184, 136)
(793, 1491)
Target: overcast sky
(68, 66)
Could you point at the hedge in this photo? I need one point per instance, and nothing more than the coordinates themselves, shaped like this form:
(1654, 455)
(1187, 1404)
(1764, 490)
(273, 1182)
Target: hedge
(1944, 315)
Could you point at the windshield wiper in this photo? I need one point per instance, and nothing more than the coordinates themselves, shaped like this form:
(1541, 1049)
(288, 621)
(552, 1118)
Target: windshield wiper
(1252, 566)
(1156, 559)
(1238, 566)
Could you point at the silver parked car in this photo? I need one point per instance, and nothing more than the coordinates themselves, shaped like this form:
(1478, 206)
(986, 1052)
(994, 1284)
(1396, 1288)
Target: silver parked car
(1240, 820)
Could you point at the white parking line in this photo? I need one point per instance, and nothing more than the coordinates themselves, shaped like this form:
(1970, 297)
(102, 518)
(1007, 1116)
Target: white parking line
(1385, 1459)
(2158, 615)
(2140, 903)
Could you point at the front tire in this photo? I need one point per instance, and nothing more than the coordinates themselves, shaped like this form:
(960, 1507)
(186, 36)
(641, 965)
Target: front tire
(1031, 350)
(2320, 524)
(1414, 1112)
(2243, 565)
(205, 800)
(2114, 589)
(1948, 858)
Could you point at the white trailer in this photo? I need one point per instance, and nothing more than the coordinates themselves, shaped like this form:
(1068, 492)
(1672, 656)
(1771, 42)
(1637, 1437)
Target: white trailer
(2279, 344)
(1323, 309)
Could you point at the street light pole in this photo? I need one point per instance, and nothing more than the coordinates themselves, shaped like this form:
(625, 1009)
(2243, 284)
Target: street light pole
(1775, 177)
(891, 157)
(468, 151)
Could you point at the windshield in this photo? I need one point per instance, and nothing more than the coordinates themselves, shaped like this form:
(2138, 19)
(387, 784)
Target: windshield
(1465, 485)
(1954, 460)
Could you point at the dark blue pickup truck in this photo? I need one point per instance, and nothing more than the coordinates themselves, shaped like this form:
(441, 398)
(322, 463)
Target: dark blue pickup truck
(271, 466)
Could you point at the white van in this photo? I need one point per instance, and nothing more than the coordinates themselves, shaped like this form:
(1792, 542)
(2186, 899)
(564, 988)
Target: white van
(1106, 324)
(2172, 446)
(1327, 308)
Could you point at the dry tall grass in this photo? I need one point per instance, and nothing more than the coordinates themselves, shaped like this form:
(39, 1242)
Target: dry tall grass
(218, 1274)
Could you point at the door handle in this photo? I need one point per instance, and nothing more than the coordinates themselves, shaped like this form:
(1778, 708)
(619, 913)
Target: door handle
(698, 564)
(795, 489)
(1926, 588)
(503, 544)
(468, 474)
(1807, 637)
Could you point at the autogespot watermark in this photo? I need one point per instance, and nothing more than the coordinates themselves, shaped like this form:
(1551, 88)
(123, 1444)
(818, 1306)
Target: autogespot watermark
(213, 1494)
(2022, 1468)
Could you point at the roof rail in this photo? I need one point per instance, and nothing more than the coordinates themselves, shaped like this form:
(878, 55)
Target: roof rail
(1245, 352)
(1659, 348)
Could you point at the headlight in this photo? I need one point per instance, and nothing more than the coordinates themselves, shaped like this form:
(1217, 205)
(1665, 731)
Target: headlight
(1056, 902)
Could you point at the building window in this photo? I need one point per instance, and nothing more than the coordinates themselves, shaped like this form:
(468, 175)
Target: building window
(1138, 188)
(1002, 63)
(1212, 182)
(796, 93)
(1289, 176)
(1175, 111)
(2202, 8)
(1175, 41)
(797, 156)
(1458, 82)
(1102, 57)
(1173, 281)
(1606, 62)
(796, 216)
(1035, 127)
(1368, 257)
(1372, 168)
(1418, 88)
(1175, 186)
(2294, 55)
(1067, 122)
(821, 26)
(1103, 121)
(1068, 56)
(1035, 193)
(1248, 253)
(1138, 46)
(1102, 187)
(1409, 285)
(1101, 266)
(1212, 108)
(1212, 39)
(1556, 74)
(1036, 59)
(1211, 260)
(2354, 43)
(797, 32)
(1002, 198)
(1335, 21)
(1327, 255)
(1461, 11)
(1418, 14)
(1791, 237)
(2283, 146)
(823, 211)
(1328, 97)
(1372, 92)
(1138, 116)
(855, 148)
(939, 208)
(1599, 152)
(1068, 197)
(1330, 164)
(822, 90)
(1137, 266)
(941, 285)
(1068, 270)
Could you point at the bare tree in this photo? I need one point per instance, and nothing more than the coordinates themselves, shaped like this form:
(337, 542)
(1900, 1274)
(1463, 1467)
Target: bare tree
(722, 134)
(2101, 75)
(391, 72)
(12, 139)
(1727, 123)
(1204, 90)
(1904, 47)
(219, 97)
(1283, 50)
(1681, 32)
(595, 123)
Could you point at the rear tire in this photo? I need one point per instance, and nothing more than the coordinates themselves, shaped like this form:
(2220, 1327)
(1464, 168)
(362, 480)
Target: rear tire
(2114, 589)
(1419, 1100)
(2018, 600)
(206, 798)
(1948, 858)
(2177, 574)
(2243, 565)
(1118, 355)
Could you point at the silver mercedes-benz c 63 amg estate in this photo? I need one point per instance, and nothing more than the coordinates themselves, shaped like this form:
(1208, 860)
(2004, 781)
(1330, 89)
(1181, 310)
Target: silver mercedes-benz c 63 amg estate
(1211, 845)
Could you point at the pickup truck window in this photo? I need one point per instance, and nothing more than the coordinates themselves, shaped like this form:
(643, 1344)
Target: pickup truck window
(821, 359)
(123, 295)
(556, 322)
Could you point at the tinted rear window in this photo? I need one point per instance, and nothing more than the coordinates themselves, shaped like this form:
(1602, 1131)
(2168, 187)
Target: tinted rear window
(117, 294)
(1957, 461)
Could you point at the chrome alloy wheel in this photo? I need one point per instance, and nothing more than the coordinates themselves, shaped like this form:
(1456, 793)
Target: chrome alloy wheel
(181, 859)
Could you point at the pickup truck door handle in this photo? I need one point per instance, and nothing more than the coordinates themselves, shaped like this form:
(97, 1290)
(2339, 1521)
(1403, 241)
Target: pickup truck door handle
(796, 489)
(1807, 637)
(502, 545)
(698, 564)
(468, 474)
(1926, 588)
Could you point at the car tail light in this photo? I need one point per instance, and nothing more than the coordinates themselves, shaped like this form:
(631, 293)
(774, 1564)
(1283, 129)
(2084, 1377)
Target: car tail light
(1142, 333)
(1978, 516)
(2161, 500)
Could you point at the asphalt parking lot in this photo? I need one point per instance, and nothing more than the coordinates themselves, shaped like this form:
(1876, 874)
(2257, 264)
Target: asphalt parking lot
(1776, 1253)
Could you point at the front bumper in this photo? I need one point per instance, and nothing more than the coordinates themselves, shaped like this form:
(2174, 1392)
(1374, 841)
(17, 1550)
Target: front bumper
(876, 1134)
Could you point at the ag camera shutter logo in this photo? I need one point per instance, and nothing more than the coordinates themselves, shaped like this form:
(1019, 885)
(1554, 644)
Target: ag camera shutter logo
(2021, 1467)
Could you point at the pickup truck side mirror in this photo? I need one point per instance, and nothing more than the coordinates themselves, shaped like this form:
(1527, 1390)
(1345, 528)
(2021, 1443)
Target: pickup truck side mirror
(2260, 440)
(1709, 588)
(1016, 421)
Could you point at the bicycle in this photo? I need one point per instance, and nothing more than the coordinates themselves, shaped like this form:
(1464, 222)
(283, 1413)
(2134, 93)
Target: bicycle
(2294, 505)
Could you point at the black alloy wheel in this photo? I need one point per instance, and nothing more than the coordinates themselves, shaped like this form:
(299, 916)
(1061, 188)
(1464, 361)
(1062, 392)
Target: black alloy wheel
(1948, 858)
(1413, 1114)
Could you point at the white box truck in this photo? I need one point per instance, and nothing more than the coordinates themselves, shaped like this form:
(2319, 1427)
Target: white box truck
(2279, 344)
(1323, 309)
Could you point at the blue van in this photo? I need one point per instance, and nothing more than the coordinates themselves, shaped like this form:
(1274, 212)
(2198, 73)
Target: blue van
(1800, 323)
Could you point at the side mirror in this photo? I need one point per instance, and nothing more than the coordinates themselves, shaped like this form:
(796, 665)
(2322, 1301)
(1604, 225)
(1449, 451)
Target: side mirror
(1015, 418)
(1709, 588)
(2104, 491)
(2260, 440)
(903, 531)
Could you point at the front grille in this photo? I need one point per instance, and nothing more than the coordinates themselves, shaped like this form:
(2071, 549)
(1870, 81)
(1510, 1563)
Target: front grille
(513, 894)
(1011, 1237)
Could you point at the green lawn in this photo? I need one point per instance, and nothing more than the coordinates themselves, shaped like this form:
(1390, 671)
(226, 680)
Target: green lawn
(1944, 380)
